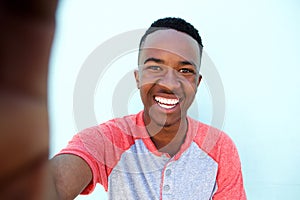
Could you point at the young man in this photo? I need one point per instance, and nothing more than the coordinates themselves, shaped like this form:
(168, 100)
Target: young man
(159, 153)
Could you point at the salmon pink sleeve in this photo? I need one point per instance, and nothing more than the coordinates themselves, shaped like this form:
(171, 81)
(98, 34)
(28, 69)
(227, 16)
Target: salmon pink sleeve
(81, 146)
(229, 178)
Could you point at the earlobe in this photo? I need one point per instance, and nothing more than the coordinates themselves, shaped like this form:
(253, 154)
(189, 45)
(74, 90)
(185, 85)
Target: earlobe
(137, 78)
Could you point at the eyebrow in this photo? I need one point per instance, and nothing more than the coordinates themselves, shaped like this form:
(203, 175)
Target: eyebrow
(157, 60)
(182, 63)
(160, 61)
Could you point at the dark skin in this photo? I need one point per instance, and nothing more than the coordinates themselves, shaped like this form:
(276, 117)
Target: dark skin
(168, 70)
(168, 140)
(26, 38)
(26, 43)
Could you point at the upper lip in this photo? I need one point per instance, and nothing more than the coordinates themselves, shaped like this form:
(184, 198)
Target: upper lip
(171, 96)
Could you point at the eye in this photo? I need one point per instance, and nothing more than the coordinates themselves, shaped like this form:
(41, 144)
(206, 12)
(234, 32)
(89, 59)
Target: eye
(154, 68)
(186, 71)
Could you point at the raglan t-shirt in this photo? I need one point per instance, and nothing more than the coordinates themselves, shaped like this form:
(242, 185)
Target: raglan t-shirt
(123, 158)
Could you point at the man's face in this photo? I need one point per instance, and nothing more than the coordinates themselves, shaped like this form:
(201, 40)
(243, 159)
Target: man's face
(168, 76)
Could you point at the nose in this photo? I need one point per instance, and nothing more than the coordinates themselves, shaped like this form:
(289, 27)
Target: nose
(170, 80)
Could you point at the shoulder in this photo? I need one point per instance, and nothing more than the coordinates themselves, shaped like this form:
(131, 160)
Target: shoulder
(213, 141)
(125, 123)
(115, 132)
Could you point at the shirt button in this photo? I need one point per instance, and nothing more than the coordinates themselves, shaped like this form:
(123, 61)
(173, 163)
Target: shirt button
(166, 188)
(168, 172)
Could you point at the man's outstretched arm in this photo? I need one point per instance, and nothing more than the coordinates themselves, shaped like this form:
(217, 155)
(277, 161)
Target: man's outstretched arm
(70, 176)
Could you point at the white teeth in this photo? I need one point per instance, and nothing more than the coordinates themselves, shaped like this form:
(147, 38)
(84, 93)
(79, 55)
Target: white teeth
(166, 103)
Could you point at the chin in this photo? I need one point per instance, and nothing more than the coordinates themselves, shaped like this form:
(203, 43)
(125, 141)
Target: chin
(165, 123)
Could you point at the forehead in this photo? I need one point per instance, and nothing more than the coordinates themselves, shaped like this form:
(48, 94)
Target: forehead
(172, 42)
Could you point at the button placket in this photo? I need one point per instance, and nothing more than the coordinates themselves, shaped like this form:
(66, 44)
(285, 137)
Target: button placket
(168, 186)
(168, 172)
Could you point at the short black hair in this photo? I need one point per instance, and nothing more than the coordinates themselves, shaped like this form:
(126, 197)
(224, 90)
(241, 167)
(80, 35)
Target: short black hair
(176, 24)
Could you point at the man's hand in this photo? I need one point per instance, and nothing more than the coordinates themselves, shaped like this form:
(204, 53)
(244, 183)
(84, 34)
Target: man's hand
(27, 29)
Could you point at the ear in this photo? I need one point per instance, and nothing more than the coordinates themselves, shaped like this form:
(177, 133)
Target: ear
(199, 79)
(137, 78)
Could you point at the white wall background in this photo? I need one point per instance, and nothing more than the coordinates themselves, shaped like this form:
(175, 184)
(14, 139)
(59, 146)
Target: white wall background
(255, 47)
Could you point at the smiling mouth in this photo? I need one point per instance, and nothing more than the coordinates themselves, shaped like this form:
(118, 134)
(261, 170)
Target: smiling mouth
(166, 103)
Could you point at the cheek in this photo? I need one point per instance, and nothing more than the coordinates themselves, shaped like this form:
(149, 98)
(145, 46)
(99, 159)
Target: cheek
(190, 84)
(147, 78)
(146, 82)
(144, 90)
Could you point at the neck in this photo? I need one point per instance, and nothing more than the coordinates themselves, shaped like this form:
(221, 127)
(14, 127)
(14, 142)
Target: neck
(168, 139)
